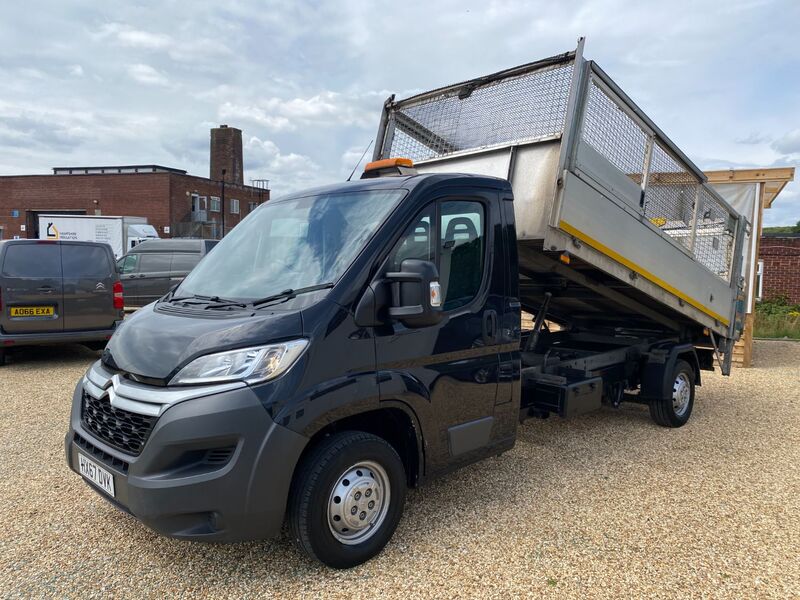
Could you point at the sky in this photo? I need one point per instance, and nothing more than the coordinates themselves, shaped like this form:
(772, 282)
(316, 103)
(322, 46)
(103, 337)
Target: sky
(98, 83)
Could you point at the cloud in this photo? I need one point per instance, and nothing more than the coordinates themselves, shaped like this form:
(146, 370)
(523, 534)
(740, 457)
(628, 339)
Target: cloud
(286, 172)
(76, 70)
(786, 208)
(753, 139)
(191, 46)
(788, 143)
(125, 35)
(324, 109)
(143, 39)
(147, 75)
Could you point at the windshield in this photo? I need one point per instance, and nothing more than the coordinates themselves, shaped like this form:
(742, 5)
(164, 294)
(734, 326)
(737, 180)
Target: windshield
(291, 244)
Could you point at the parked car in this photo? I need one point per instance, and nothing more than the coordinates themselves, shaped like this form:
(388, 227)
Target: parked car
(154, 267)
(57, 292)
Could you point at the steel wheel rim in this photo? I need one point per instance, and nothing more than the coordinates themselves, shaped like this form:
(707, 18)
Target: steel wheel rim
(681, 394)
(359, 502)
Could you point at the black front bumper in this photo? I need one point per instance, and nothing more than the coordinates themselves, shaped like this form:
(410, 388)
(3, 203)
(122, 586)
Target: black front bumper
(174, 489)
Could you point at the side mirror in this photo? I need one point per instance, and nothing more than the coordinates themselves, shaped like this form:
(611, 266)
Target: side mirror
(416, 294)
(411, 296)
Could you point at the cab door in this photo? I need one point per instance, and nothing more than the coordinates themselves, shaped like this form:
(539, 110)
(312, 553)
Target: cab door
(449, 372)
(153, 278)
(32, 291)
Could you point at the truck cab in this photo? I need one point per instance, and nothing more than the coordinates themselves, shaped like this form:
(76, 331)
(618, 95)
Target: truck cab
(277, 361)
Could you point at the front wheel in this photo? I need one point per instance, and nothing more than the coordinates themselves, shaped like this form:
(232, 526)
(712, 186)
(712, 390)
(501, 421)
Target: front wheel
(675, 410)
(347, 499)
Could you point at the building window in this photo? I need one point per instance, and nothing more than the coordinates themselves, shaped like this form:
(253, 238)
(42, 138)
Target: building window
(214, 204)
(760, 280)
(251, 206)
(198, 203)
(234, 206)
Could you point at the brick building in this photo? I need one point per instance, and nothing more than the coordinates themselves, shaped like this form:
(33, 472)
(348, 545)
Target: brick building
(779, 265)
(175, 203)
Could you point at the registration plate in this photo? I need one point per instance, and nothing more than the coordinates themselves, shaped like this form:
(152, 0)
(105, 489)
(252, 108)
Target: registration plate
(96, 474)
(32, 311)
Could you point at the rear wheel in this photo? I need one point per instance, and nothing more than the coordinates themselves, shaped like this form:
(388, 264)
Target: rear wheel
(347, 499)
(675, 410)
(2, 357)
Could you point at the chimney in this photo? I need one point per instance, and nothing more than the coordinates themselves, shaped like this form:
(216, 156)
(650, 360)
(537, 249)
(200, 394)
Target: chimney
(226, 153)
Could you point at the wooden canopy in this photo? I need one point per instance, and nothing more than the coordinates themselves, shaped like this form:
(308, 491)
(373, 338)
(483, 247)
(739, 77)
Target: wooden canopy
(774, 179)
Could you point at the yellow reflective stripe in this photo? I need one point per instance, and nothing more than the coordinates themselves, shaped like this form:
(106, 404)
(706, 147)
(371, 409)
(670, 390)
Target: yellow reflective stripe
(600, 247)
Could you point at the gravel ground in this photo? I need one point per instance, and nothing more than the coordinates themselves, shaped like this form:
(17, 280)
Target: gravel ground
(606, 505)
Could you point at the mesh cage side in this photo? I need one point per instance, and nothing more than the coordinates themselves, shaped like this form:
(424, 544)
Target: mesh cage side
(517, 108)
(672, 189)
(714, 240)
(670, 195)
(613, 133)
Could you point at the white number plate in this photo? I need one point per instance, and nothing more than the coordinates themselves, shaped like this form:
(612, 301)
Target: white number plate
(96, 474)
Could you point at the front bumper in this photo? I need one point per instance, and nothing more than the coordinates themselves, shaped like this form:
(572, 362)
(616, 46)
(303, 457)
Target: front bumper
(173, 488)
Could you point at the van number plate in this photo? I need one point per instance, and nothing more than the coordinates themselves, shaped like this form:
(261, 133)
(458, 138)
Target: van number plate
(96, 474)
(32, 311)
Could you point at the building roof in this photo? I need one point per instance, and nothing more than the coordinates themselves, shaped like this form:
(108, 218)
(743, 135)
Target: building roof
(116, 170)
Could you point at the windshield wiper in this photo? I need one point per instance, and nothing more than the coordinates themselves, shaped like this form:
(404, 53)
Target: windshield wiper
(186, 299)
(224, 303)
(209, 301)
(290, 293)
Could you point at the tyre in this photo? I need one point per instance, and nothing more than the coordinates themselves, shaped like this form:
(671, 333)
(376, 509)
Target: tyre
(2, 357)
(676, 410)
(346, 499)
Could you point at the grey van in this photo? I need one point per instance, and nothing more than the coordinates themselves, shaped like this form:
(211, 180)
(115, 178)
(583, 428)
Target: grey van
(154, 267)
(57, 292)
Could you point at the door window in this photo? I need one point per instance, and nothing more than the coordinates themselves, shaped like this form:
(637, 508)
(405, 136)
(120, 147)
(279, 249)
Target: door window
(85, 261)
(457, 248)
(154, 262)
(461, 251)
(32, 260)
(417, 241)
(128, 263)
(184, 261)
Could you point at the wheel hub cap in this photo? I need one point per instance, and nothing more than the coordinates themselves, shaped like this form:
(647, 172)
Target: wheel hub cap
(358, 502)
(681, 394)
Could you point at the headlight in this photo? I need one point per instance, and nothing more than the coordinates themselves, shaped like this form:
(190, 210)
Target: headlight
(246, 364)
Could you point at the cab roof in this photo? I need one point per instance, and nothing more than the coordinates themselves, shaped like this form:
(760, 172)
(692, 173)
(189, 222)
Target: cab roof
(408, 182)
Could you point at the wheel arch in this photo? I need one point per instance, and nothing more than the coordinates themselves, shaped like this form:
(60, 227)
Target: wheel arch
(393, 421)
(656, 374)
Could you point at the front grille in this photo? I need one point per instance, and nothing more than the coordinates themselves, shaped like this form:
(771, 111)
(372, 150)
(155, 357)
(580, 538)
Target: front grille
(121, 429)
(104, 457)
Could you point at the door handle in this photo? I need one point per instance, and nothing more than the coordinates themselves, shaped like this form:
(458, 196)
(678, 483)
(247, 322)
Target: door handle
(45, 289)
(489, 327)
